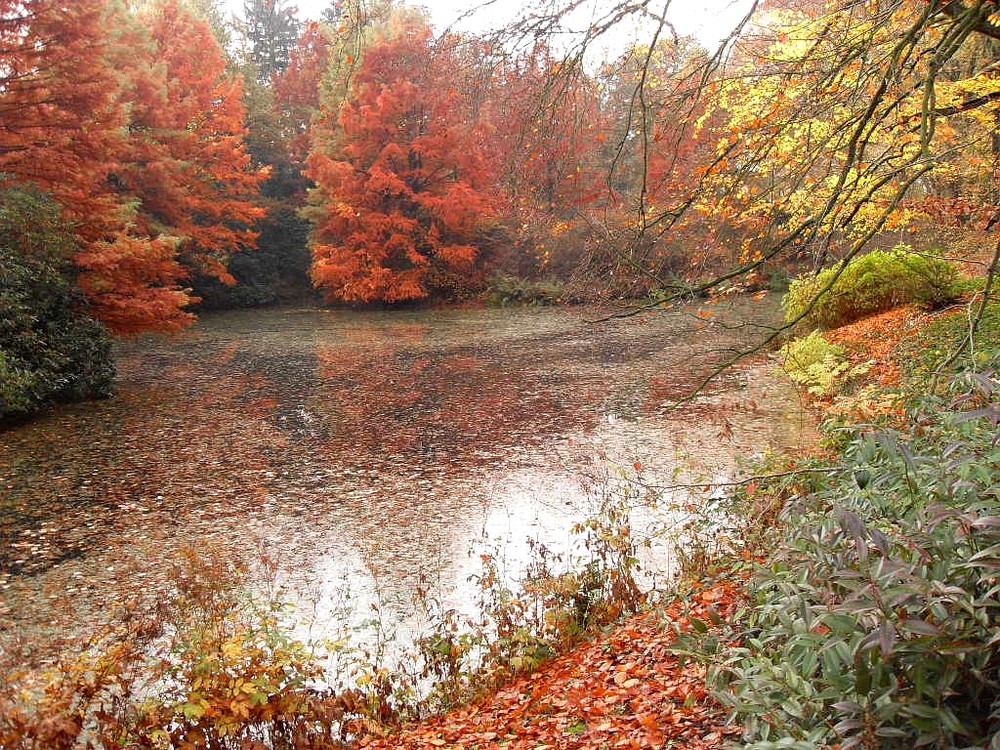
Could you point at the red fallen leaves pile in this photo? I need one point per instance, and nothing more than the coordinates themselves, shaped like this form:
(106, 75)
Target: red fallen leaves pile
(877, 339)
(621, 690)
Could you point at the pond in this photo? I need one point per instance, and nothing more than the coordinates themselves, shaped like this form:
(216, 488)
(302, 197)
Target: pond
(364, 452)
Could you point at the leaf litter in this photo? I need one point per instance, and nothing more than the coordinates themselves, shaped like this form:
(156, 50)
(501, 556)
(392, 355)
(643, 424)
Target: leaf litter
(624, 689)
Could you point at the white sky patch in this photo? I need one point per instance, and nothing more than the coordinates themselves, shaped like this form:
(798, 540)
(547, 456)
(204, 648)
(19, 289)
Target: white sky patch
(708, 20)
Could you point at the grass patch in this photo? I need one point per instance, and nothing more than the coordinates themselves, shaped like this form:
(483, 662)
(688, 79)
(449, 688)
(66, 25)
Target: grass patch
(950, 332)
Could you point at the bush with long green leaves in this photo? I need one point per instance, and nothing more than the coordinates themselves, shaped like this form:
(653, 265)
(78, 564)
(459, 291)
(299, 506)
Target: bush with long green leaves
(873, 623)
(871, 283)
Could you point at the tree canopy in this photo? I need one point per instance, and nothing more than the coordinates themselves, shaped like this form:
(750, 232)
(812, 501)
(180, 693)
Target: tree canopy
(402, 179)
(425, 167)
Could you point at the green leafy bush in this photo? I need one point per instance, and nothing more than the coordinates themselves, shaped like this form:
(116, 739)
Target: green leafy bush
(503, 290)
(815, 363)
(869, 284)
(873, 620)
(276, 271)
(50, 349)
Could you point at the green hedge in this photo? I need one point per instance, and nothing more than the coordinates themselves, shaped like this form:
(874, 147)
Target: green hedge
(876, 620)
(50, 349)
(869, 284)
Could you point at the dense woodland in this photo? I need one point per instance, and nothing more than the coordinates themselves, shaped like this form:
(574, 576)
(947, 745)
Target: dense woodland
(158, 158)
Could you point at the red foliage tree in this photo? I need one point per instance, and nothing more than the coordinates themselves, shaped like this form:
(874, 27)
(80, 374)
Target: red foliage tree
(187, 162)
(403, 186)
(60, 121)
(138, 137)
(548, 136)
(62, 129)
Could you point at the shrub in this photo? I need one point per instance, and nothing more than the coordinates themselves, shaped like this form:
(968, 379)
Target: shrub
(814, 362)
(503, 290)
(50, 349)
(210, 668)
(869, 284)
(560, 598)
(873, 618)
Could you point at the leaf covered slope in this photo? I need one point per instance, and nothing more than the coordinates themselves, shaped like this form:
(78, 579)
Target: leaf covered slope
(624, 689)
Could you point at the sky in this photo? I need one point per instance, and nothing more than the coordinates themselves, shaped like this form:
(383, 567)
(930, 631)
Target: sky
(708, 20)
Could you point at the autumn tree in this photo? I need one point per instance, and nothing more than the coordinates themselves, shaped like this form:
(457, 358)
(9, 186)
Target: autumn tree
(547, 134)
(184, 170)
(137, 135)
(297, 89)
(402, 183)
(63, 131)
(835, 115)
(60, 118)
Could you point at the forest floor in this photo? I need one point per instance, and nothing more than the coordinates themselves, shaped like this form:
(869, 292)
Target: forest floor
(625, 688)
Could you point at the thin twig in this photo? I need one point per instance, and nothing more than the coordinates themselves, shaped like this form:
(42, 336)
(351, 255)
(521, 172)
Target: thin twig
(709, 486)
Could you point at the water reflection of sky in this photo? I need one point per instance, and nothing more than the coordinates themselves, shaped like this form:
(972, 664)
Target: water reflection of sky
(369, 453)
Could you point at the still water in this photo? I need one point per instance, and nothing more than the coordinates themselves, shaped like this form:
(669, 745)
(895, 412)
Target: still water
(365, 452)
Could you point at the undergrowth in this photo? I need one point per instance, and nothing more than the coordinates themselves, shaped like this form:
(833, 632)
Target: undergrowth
(954, 332)
(505, 291)
(817, 364)
(868, 284)
(217, 667)
(873, 608)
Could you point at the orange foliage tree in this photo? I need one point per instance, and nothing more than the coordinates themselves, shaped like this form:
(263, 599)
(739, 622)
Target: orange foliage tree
(138, 136)
(403, 187)
(185, 164)
(548, 135)
(296, 89)
(59, 118)
(63, 129)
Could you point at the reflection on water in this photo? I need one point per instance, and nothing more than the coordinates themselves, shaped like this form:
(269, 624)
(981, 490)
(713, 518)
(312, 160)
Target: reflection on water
(363, 450)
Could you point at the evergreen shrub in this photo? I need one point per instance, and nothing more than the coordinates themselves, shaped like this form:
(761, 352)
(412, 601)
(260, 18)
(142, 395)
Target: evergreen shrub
(50, 348)
(872, 623)
(869, 284)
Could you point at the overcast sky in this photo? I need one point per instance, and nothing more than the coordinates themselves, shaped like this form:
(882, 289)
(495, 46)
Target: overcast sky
(709, 20)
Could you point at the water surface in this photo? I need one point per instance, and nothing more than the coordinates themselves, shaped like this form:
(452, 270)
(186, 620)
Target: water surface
(362, 451)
